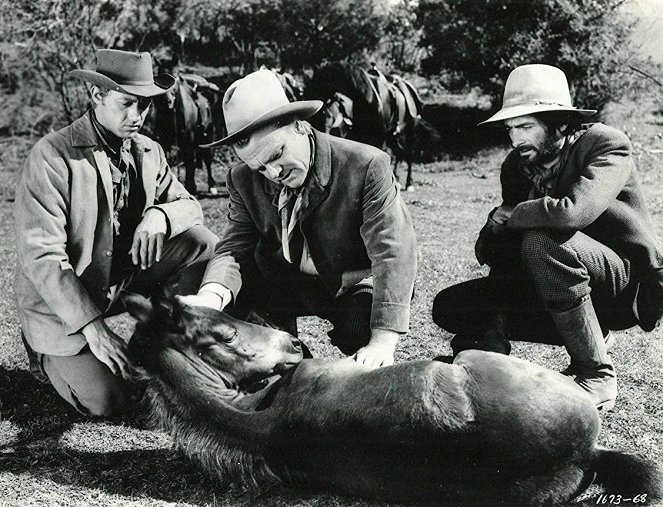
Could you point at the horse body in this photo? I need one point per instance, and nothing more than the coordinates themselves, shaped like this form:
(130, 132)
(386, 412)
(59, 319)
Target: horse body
(238, 400)
(185, 118)
(385, 110)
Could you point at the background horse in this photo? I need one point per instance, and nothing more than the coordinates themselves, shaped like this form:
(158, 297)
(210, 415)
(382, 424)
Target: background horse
(238, 399)
(369, 107)
(185, 118)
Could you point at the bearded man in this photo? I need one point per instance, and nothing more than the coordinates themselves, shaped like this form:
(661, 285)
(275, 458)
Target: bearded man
(571, 248)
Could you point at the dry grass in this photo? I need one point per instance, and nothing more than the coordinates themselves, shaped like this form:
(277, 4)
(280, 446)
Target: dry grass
(51, 456)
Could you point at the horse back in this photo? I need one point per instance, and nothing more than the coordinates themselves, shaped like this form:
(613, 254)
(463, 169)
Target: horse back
(524, 409)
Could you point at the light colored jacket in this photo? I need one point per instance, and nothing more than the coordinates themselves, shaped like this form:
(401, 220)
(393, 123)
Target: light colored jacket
(64, 235)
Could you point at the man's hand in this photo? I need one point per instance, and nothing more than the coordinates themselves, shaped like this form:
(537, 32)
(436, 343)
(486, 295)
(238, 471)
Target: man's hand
(148, 239)
(108, 347)
(502, 214)
(205, 298)
(380, 349)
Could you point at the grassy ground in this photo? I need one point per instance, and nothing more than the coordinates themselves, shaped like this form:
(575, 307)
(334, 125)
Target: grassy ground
(51, 456)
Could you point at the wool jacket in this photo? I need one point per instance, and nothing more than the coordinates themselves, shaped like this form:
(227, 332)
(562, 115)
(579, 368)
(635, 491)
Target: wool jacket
(355, 225)
(597, 192)
(64, 234)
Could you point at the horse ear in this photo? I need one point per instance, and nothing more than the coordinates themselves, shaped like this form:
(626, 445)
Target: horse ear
(138, 306)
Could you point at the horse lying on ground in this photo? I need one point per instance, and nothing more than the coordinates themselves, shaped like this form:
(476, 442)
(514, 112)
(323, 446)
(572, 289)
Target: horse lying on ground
(238, 399)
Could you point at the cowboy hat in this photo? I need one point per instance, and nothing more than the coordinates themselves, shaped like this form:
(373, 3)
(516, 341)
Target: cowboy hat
(257, 100)
(535, 88)
(125, 72)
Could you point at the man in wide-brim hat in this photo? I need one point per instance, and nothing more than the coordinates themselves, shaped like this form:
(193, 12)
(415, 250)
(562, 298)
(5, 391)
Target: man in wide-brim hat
(99, 212)
(316, 226)
(571, 248)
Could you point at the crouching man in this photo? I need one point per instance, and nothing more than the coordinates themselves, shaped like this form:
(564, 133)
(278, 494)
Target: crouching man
(317, 226)
(571, 248)
(98, 212)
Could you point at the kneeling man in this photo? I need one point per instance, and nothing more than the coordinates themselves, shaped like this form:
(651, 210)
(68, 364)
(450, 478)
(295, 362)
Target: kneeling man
(571, 248)
(316, 226)
(97, 212)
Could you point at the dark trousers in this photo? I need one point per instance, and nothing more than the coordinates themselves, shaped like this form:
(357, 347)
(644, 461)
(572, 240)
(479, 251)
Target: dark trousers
(88, 384)
(280, 300)
(539, 272)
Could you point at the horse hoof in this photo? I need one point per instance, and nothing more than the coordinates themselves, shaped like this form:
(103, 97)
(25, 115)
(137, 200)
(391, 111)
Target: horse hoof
(213, 190)
(410, 188)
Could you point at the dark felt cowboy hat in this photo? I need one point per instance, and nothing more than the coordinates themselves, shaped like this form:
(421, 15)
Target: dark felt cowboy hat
(126, 72)
(257, 100)
(535, 88)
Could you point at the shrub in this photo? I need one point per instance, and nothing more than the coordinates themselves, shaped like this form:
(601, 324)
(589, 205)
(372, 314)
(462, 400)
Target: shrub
(481, 41)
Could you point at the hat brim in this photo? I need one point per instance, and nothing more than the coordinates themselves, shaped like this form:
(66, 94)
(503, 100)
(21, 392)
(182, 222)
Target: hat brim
(162, 83)
(301, 109)
(526, 109)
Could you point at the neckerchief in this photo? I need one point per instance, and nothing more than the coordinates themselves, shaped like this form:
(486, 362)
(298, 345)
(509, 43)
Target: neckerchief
(544, 177)
(121, 164)
(292, 202)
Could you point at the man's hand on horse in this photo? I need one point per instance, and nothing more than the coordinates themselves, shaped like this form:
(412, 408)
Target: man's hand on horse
(380, 349)
(149, 238)
(108, 347)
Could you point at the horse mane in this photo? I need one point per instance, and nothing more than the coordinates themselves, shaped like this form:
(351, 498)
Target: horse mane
(220, 454)
(191, 416)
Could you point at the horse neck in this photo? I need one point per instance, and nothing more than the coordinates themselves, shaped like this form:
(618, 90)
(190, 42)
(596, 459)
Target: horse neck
(212, 424)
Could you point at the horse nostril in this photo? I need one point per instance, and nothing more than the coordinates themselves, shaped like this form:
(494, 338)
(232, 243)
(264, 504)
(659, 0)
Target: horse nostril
(296, 343)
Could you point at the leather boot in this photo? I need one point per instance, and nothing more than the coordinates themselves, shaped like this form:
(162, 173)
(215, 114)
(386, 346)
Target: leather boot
(582, 335)
(572, 369)
(649, 300)
(493, 339)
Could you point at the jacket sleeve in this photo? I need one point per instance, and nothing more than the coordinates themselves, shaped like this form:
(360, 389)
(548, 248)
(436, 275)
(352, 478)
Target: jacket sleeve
(181, 209)
(605, 170)
(391, 245)
(42, 199)
(235, 253)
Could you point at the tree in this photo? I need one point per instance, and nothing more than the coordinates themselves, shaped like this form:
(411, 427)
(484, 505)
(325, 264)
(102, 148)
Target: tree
(480, 41)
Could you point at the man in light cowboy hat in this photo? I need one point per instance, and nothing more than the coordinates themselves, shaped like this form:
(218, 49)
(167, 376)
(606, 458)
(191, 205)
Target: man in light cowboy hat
(571, 248)
(98, 211)
(316, 227)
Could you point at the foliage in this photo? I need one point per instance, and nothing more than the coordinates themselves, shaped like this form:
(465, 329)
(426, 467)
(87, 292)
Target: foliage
(482, 40)
(42, 41)
(399, 47)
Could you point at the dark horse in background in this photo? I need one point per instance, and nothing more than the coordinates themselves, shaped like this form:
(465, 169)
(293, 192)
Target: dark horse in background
(370, 107)
(185, 117)
(488, 429)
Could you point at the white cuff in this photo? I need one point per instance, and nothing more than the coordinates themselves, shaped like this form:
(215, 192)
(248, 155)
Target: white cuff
(220, 290)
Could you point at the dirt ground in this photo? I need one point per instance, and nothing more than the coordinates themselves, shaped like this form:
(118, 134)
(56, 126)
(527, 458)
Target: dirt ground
(51, 456)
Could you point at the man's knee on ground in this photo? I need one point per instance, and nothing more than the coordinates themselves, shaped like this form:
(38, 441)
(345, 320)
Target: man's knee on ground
(101, 399)
(442, 307)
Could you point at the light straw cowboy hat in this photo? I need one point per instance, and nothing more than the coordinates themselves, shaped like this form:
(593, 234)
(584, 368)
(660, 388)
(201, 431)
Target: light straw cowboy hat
(257, 100)
(126, 72)
(535, 88)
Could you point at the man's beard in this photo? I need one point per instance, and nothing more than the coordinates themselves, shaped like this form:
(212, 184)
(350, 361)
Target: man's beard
(547, 152)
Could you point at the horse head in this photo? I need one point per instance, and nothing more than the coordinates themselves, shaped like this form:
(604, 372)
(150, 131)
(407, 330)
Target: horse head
(209, 343)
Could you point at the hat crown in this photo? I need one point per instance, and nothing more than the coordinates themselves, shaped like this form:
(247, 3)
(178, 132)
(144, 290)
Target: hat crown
(252, 97)
(536, 84)
(124, 67)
